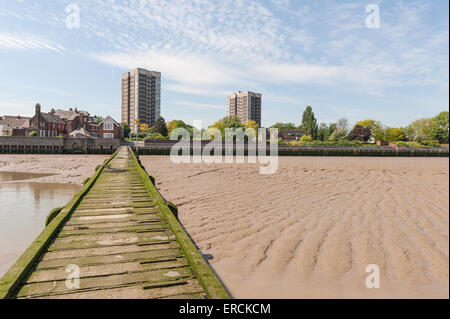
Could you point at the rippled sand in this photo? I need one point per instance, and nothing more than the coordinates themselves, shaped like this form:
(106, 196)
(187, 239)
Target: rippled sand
(311, 229)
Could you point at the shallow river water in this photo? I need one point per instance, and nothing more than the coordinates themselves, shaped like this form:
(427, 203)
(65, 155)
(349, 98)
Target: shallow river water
(24, 205)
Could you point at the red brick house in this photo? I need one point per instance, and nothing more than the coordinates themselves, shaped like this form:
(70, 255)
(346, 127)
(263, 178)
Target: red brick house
(108, 128)
(47, 124)
(76, 120)
(63, 123)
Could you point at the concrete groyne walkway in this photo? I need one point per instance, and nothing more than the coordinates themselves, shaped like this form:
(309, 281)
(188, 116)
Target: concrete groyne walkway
(117, 238)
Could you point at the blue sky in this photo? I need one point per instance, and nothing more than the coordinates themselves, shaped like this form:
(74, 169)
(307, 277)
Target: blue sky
(295, 53)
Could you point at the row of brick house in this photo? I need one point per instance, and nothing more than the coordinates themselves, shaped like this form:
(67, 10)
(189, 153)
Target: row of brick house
(10, 123)
(62, 123)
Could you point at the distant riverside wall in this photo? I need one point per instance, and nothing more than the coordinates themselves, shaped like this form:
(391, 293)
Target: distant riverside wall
(47, 145)
(163, 147)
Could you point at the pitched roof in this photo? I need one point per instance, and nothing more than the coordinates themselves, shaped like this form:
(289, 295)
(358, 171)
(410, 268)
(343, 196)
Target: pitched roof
(70, 114)
(52, 118)
(14, 121)
(81, 131)
(108, 117)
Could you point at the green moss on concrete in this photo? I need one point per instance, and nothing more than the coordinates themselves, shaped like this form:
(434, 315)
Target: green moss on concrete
(173, 209)
(208, 280)
(12, 279)
(54, 212)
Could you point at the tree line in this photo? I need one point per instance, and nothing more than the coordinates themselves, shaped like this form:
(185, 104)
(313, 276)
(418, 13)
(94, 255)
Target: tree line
(422, 131)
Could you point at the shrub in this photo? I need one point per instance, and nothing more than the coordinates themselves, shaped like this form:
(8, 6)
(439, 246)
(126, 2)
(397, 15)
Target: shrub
(431, 143)
(338, 135)
(156, 136)
(407, 144)
(33, 133)
(305, 139)
(327, 143)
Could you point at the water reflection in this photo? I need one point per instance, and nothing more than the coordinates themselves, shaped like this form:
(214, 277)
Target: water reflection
(24, 205)
(19, 176)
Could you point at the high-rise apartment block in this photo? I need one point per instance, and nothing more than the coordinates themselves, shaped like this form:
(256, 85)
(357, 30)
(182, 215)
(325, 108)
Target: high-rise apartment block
(141, 97)
(246, 105)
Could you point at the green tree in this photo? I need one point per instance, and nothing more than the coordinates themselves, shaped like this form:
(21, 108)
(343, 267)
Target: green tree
(177, 124)
(253, 127)
(33, 133)
(394, 134)
(160, 126)
(126, 129)
(218, 125)
(232, 121)
(322, 132)
(359, 133)
(379, 133)
(370, 124)
(441, 130)
(376, 128)
(250, 124)
(331, 128)
(421, 129)
(309, 122)
(338, 134)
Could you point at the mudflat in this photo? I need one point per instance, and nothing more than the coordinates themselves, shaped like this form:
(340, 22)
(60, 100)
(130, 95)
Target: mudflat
(311, 229)
(67, 169)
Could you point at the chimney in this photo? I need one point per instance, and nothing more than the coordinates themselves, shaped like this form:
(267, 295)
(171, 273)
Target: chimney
(38, 109)
(52, 111)
(76, 110)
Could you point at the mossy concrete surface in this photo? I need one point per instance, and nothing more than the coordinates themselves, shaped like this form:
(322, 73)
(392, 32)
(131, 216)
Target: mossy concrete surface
(10, 282)
(119, 238)
(209, 281)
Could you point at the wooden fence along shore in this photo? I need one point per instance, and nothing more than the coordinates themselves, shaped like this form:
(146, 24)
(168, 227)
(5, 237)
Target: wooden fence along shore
(117, 237)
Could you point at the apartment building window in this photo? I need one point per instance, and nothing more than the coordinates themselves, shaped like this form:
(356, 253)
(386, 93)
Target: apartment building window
(108, 126)
(108, 135)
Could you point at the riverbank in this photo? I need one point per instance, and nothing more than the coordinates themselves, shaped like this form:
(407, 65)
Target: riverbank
(310, 230)
(66, 169)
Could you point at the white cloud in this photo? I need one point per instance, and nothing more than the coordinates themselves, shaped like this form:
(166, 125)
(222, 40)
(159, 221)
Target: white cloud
(26, 42)
(211, 48)
(182, 68)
